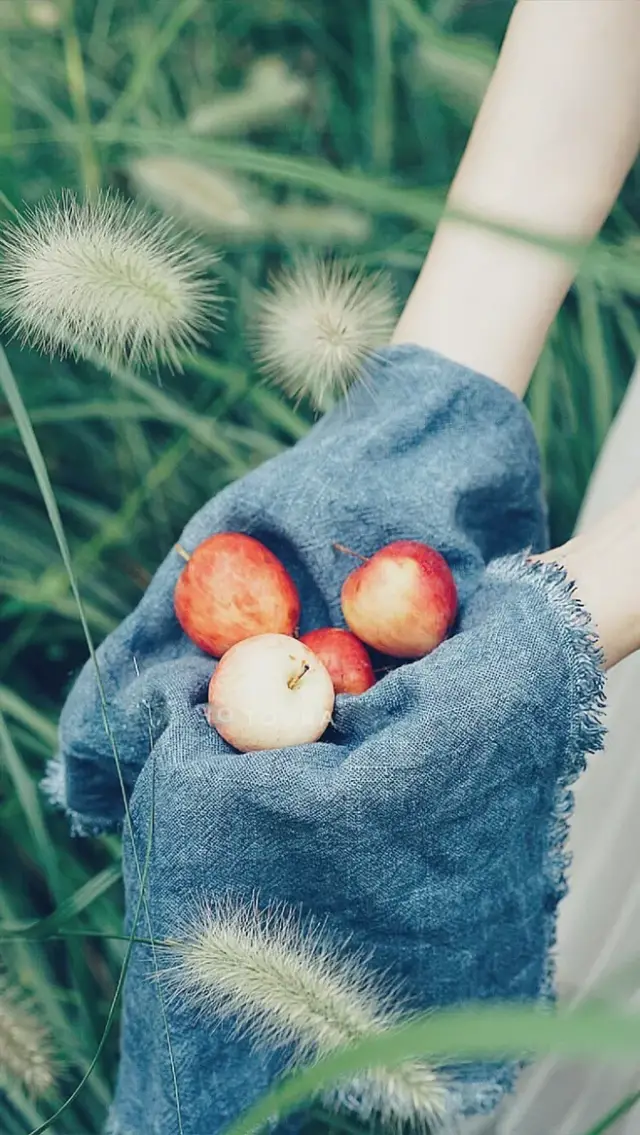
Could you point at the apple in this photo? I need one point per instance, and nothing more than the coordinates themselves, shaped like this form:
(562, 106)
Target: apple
(232, 588)
(270, 692)
(402, 600)
(344, 656)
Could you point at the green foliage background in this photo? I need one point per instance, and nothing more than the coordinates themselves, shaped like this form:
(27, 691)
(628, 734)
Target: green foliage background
(394, 86)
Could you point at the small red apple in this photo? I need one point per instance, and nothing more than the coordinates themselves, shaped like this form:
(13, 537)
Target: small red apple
(270, 692)
(344, 656)
(232, 588)
(401, 601)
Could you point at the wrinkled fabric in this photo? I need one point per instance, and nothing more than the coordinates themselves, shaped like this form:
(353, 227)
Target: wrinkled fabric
(426, 829)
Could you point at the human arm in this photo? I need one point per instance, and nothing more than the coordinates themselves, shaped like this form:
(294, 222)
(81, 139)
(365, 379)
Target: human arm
(556, 135)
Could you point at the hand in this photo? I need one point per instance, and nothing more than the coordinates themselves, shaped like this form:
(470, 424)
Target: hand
(605, 563)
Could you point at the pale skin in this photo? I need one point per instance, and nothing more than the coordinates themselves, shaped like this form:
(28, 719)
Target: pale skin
(556, 135)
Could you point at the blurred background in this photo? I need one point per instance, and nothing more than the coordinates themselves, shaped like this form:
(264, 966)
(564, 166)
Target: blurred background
(266, 126)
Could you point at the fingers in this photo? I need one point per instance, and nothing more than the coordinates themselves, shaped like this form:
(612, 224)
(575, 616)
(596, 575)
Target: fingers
(604, 561)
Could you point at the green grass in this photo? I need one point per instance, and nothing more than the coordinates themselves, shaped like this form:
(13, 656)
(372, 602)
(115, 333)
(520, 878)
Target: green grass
(130, 458)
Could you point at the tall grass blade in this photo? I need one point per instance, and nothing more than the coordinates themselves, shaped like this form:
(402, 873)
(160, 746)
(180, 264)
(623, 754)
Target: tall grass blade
(457, 1035)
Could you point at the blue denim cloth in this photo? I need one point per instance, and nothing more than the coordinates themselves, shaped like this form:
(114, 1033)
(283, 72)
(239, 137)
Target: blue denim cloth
(427, 828)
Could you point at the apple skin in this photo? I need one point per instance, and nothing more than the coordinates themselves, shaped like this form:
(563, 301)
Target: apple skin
(402, 601)
(270, 692)
(344, 656)
(233, 588)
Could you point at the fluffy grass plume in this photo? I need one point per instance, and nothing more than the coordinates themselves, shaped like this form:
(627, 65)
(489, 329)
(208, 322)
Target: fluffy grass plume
(201, 197)
(42, 15)
(459, 66)
(286, 986)
(104, 280)
(271, 90)
(322, 224)
(317, 325)
(26, 1051)
(210, 200)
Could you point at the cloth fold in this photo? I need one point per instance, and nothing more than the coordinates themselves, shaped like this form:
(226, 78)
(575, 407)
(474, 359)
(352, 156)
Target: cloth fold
(423, 837)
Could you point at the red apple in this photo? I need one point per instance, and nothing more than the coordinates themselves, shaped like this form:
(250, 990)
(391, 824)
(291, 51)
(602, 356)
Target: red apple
(401, 601)
(344, 656)
(232, 588)
(270, 692)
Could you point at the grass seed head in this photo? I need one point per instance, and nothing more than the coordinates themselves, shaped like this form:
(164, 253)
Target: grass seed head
(26, 1050)
(319, 323)
(104, 280)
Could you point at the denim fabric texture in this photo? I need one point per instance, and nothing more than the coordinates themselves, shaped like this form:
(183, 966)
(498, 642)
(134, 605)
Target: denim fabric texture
(427, 828)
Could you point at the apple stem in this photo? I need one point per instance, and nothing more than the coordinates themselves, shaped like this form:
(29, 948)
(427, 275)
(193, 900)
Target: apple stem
(350, 552)
(293, 682)
(182, 552)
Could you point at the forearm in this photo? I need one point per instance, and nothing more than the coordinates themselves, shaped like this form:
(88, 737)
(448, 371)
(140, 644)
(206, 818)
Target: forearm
(554, 139)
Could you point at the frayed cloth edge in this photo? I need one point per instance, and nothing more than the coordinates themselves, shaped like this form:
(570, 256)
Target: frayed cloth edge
(586, 729)
(53, 788)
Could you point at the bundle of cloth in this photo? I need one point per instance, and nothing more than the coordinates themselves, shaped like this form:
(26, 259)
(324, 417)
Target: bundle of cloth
(412, 858)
